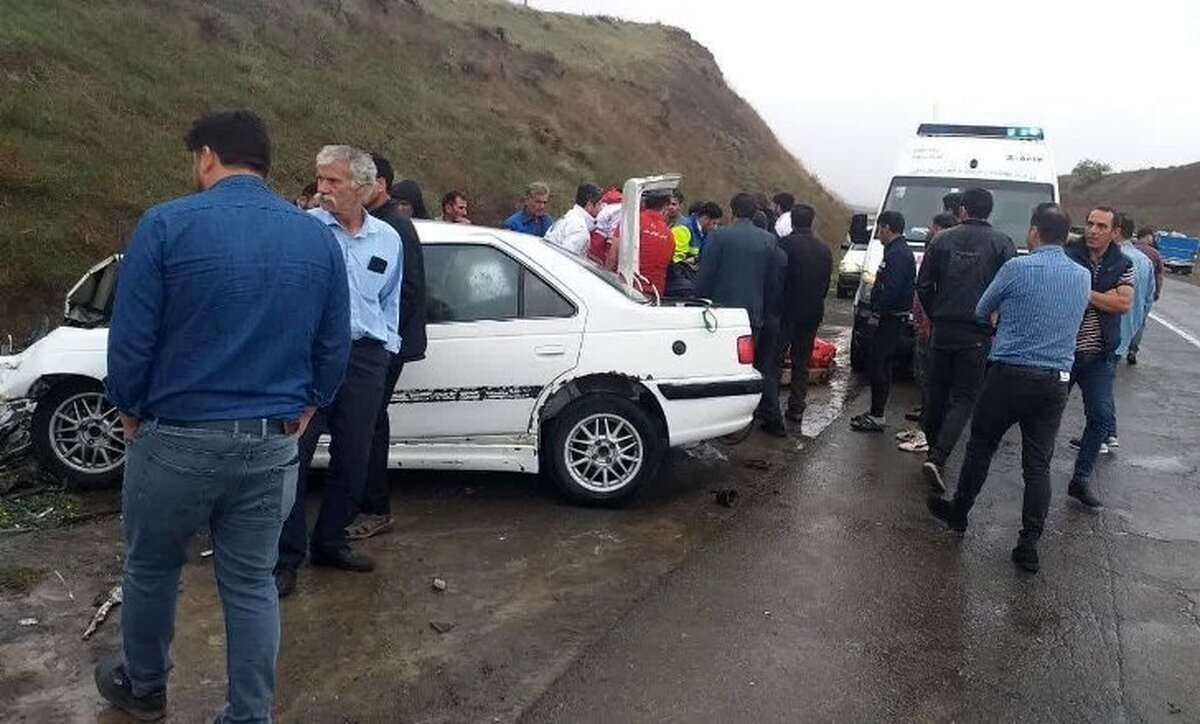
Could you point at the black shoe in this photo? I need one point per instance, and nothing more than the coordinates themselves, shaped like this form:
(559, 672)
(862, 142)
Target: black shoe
(344, 558)
(943, 510)
(1131, 358)
(933, 475)
(1083, 495)
(796, 417)
(774, 429)
(913, 415)
(1026, 557)
(114, 685)
(285, 581)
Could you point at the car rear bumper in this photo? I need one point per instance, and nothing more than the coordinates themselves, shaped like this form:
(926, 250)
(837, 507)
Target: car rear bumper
(699, 410)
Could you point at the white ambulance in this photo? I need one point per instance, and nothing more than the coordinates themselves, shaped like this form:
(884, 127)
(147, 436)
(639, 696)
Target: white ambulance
(1013, 162)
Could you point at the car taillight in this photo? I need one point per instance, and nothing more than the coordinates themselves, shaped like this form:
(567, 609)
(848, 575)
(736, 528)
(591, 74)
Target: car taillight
(745, 348)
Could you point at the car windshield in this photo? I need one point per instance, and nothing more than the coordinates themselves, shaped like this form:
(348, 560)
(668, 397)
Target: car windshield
(920, 199)
(608, 277)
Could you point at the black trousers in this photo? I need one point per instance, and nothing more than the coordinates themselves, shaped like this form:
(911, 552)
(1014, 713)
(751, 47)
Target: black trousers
(377, 499)
(955, 379)
(1033, 399)
(766, 361)
(350, 421)
(883, 348)
(800, 338)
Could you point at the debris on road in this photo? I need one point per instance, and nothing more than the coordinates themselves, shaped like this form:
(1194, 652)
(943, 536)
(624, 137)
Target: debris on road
(441, 627)
(439, 585)
(70, 594)
(114, 599)
(28, 622)
(725, 496)
(207, 553)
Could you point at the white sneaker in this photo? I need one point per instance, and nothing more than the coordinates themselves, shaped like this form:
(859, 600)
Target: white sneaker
(905, 435)
(1112, 442)
(915, 444)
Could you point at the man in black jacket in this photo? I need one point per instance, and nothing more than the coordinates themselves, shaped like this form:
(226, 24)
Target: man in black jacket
(740, 267)
(1099, 336)
(809, 267)
(375, 515)
(959, 265)
(891, 303)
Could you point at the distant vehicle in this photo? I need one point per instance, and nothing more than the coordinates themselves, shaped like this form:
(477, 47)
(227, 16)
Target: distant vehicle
(850, 268)
(536, 361)
(1013, 162)
(1178, 251)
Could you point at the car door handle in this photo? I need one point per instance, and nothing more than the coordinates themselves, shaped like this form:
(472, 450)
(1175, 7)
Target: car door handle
(550, 350)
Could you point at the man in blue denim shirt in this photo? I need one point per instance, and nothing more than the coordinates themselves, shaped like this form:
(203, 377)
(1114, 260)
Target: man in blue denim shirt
(374, 260)
(230, 327)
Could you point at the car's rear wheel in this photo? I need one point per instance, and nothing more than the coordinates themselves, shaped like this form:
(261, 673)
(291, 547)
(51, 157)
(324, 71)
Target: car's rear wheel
(602, 448)
(77, 435)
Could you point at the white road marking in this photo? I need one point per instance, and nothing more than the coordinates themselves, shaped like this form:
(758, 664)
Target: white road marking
(1187, 336)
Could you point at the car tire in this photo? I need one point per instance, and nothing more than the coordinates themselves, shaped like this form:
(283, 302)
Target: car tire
(582, 440)
(91, 455)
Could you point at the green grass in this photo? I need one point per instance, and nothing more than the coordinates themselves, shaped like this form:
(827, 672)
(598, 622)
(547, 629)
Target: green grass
(95, 98)
(42, 510)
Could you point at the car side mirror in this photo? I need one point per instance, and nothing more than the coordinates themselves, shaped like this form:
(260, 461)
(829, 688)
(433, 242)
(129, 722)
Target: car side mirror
(858, 229)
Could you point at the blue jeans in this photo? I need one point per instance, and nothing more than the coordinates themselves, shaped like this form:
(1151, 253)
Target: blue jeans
(1094, 374)
(178, 480)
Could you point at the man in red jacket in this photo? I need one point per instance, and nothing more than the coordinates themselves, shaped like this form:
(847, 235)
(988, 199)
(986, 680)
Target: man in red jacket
(657, 245)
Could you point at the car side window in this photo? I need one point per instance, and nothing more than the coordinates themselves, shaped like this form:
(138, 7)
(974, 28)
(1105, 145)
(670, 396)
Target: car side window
(474, 282)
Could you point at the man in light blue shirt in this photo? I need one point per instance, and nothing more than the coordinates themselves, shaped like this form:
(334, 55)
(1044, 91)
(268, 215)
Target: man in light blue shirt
(1137, 316)
(374, 263)
(1040, 300)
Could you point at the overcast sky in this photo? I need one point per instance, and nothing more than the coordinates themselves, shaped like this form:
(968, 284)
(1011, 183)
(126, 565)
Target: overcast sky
(843, 82)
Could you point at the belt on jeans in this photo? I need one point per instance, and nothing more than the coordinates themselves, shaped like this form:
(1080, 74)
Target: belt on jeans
(1029, 371)
(366, 342)
(251, 425)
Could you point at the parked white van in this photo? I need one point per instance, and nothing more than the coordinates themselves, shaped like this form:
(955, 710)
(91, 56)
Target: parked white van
(1013, 162)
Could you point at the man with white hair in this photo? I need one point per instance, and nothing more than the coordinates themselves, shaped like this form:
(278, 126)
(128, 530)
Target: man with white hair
(374, 262)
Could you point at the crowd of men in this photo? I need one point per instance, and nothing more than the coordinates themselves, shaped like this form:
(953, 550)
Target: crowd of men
(246, 326)
(1001, 339)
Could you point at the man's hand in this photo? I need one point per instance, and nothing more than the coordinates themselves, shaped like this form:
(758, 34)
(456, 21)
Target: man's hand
(298, 427)
(130, 425)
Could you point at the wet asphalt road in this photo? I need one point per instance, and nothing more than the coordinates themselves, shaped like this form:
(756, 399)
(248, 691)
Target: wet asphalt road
(841, 599)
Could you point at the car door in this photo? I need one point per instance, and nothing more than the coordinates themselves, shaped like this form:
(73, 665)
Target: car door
(499, 333)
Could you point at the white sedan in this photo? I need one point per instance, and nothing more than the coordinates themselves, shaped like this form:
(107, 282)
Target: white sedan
(537, 362)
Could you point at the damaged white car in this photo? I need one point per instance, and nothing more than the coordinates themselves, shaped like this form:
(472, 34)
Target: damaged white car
(537, 361)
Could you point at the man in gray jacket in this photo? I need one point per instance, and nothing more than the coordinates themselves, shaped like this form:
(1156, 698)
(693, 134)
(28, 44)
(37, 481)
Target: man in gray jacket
(742, 267)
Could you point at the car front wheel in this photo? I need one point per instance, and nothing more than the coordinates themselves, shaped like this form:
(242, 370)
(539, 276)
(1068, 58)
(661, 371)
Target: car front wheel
(602, 448)
(77, 435)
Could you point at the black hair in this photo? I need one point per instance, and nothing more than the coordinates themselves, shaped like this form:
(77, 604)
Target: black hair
(588, 193)
(309, 190)
(1144, 231)
(743, 206)
(951, 202)
(760, 220)
(1127, 226)
(384, 170)
(945, 221)
(410, 191)
(1116, 215)
(239, 137)
(1052, 223)
(451, 196)
(656, 201)
(677, 194)
(694, 209)
(803, 216)
(711, 209)
(893, 220)
(978, 203)
(785, 201)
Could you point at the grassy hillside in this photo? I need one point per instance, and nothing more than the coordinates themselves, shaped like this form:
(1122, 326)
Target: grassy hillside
(1165, 198)
(471, 94)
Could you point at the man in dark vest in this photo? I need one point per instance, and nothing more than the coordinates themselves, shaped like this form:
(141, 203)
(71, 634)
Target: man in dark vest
(1098, 339)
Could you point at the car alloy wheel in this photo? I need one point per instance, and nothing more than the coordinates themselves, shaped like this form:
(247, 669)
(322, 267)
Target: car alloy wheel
(85, 434)
(604, 452)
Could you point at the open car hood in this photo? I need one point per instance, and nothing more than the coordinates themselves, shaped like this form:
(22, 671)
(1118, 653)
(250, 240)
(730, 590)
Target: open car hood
(89, 303)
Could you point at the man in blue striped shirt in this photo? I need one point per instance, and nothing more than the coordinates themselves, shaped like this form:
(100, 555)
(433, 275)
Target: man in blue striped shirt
(1040, 300)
